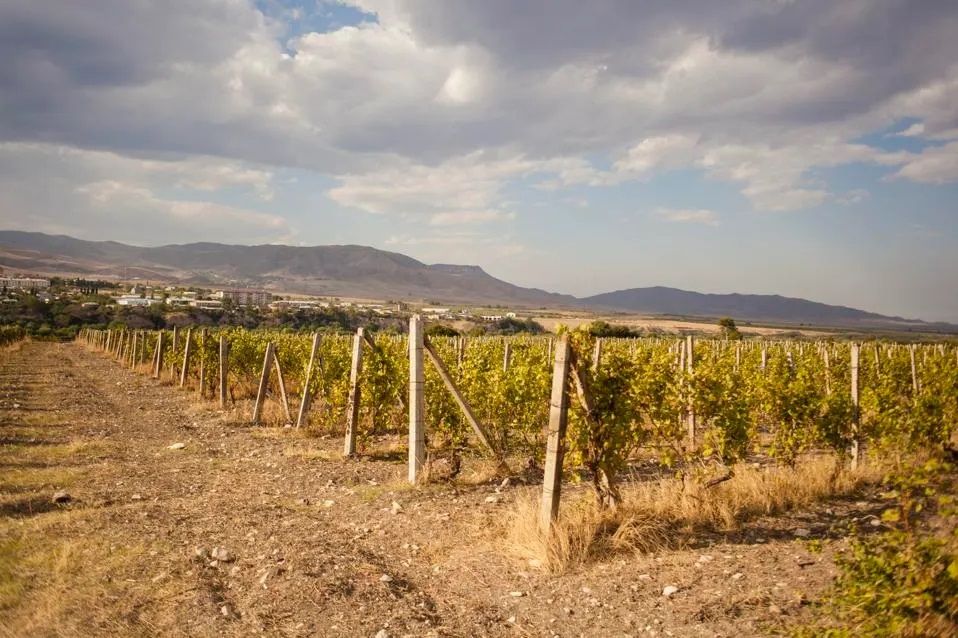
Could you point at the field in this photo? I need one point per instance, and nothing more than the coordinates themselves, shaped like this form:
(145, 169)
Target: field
(310, 543)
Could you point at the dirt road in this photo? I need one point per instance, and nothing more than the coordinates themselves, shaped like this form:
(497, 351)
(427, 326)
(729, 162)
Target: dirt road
(311, 544)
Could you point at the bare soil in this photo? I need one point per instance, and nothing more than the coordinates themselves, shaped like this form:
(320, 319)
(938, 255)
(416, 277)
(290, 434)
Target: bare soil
(319, 545)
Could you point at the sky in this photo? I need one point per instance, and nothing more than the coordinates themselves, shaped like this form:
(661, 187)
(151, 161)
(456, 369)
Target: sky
(805, 148)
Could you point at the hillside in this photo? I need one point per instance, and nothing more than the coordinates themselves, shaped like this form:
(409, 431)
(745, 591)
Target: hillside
(361, 271)
(767, 308)
(346, 271)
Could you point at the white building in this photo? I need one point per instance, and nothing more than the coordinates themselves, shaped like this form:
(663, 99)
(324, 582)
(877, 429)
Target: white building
(127, 300)
(24, 283)
(242, 297)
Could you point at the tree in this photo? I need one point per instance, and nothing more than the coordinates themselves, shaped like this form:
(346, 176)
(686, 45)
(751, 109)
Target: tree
(729, 329)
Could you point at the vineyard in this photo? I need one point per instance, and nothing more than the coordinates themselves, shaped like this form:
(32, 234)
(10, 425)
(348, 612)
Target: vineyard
(694, 405)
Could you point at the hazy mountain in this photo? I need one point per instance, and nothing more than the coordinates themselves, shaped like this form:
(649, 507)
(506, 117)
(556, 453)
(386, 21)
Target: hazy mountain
(768, 308)
(360, 271)
(344, 271)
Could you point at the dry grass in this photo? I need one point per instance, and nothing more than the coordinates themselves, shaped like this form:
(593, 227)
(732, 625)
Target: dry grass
(664, 513)
(46, 579)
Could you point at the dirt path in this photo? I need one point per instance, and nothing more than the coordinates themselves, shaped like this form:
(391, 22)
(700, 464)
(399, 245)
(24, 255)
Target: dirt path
(316, 545)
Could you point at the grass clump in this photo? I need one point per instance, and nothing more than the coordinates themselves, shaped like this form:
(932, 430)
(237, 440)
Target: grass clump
(659, 514)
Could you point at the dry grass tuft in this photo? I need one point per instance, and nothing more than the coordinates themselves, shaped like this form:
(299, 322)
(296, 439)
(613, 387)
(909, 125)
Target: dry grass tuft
(664, 513)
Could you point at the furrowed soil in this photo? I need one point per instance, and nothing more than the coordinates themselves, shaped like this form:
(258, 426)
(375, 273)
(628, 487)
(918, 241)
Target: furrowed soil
(318, 545)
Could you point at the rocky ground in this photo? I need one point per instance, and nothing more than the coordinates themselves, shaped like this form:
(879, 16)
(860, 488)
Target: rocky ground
(175, 521)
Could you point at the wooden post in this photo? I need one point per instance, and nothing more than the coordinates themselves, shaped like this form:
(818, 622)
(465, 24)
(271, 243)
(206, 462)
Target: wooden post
(159, 355)
(186, 356)
(460, 350)
(136, 340)
(506, 354)
(690, 362)
(738, 355)
(263, 381)
(203, 363)
(284, 397)
(480, 431)
(597, 354)
(828, 381)
(856, 443)
(352, 408)
(143, 349)
(916, 388)
(764, 357)
(555, 441)
(307, 395)
(417, 438)
(173, 353)
(223, 368)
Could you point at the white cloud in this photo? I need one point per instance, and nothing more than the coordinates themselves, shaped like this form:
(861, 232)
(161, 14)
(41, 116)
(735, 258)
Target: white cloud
(102, 194)
(934, 165)
(689, 216)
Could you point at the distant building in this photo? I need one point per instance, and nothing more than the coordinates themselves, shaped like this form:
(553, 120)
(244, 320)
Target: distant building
(24, 283)
(178, 301)
(297, 304)
(128, 300)
(207, 304)
(242, 297)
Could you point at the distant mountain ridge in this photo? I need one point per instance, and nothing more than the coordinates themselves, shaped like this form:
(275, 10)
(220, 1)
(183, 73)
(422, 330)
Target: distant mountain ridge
(342, 271)
(364, 272)
(771, 308)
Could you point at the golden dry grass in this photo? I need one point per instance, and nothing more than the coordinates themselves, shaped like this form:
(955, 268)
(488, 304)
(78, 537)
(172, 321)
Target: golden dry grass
(659, 514)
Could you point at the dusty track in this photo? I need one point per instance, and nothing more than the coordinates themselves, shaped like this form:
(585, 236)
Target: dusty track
(318, 547)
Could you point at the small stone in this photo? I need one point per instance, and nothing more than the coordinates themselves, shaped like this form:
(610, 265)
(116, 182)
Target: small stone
(61, 497)
(535, 562)
(511, 620)
(200, 552)
(302, 501)
(177, 446)
(136, 497)
(669, 590)
(382, 633)
(385, 578)
(222, 555)
(517, 594)
(396, 508)
(875, 522)
(328, 503)
(774, 609)
(644, 577)
(506, 482)
(225, 610)
(738, 576)
(801, 532)
(492, 499)
(705, 558)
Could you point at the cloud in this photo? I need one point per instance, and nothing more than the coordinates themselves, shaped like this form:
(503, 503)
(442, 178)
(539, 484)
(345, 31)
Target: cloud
(99, 194)
(934, 165)
(689, 216)
(432, 110)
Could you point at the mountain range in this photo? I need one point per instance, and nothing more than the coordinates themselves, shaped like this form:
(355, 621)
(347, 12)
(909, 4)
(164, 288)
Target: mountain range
(364, 272)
